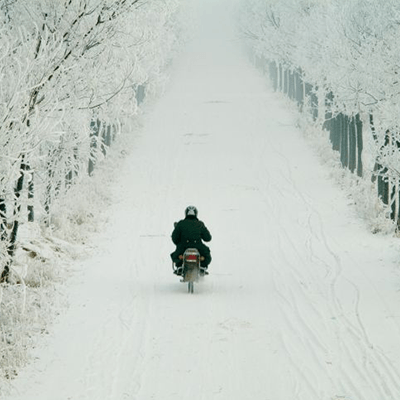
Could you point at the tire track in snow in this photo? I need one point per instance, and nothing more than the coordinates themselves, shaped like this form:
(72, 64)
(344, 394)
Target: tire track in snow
(357, 329)
(293, 319)
(123, 333)
(381, 375)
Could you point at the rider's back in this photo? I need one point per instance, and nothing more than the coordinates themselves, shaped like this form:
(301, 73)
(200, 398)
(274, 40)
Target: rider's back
(190, 229)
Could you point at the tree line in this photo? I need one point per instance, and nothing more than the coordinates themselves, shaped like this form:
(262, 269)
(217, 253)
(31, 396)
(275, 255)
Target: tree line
(71, 73)
(341, 62)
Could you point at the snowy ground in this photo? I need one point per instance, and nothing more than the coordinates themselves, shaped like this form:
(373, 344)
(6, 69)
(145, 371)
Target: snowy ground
(302, 302)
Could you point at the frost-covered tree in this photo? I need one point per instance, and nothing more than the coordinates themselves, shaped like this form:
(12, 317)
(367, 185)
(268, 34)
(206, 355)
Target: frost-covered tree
(69, 71)
(349, 52)
(70, 75)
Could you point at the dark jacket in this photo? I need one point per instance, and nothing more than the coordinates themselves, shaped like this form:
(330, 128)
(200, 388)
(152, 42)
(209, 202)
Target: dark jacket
(190, 230)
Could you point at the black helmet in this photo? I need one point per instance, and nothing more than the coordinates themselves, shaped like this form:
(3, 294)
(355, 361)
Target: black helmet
(191, 210)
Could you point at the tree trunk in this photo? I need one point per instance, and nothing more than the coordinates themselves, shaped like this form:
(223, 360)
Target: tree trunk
(11, 245)
(3, 220)
(49, 187)
(359, 130)
(31, 187)
(17, 207)
(352, 145)
(94, 135)
(344, 143)
(3, 238)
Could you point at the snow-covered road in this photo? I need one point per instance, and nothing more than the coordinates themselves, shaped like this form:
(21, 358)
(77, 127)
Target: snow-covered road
(302, 302)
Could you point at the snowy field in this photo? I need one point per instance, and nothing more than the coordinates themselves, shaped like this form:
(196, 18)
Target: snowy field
(302, 301)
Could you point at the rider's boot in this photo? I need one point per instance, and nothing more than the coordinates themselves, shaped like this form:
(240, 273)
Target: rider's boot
(203, 270)
(178, 271)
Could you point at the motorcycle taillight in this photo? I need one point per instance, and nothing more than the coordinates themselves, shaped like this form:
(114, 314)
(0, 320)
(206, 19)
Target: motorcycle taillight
(191, 257)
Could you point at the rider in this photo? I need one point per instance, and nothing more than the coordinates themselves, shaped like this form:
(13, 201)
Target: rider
(190, 232)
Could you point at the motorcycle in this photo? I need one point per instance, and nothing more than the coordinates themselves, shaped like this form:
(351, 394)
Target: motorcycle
(191, 268)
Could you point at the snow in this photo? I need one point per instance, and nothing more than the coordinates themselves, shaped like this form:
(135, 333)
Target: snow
(301, 301)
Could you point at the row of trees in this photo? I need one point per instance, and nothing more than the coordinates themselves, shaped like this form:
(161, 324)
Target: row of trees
(71, 72)
(347, 58)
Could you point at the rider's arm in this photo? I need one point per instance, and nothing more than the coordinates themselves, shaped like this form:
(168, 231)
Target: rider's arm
(176, 235)
(205, 234)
